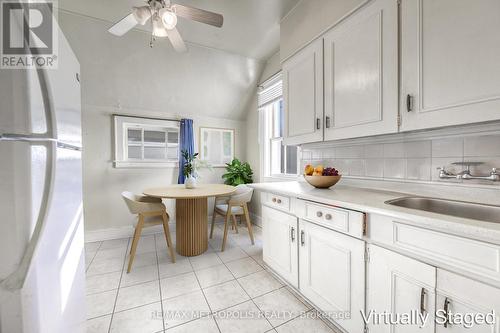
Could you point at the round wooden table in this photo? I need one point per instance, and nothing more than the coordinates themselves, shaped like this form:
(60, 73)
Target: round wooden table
(191, 212)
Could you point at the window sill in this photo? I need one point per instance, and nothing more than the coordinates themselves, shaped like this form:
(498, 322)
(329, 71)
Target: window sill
(280, 178)
(144, 165)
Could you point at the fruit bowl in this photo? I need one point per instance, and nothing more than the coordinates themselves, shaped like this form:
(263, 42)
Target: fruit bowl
(322, 181)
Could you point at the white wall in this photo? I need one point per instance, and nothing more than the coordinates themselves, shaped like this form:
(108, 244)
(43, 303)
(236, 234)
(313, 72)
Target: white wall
(308, 19)
(125, 76)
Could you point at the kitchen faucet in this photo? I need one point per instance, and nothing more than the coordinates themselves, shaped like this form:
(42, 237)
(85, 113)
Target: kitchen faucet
(466, 174)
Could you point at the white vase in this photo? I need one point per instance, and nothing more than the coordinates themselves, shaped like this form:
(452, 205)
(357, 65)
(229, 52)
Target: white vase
(190, 182)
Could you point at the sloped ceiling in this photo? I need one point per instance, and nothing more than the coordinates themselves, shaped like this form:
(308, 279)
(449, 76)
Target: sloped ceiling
(216, 78)
(251, 27)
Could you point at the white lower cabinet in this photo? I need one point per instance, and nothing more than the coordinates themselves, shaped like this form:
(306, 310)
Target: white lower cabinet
(399, 285)
(389, 291)
(458, 295)
(279, 233)
(332, 274)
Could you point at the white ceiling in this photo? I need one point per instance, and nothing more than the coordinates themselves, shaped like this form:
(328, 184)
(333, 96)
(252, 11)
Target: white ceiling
(251, 27)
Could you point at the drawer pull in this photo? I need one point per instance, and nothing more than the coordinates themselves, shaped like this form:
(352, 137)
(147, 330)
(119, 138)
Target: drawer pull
(292, 234)
(328, 216)
(278, 201)
(446, 311)
(302, 241)
(319, 214)
(273, 200)
(422, 301)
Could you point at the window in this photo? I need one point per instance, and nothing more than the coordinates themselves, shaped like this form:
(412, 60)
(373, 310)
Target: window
(145, 142)
(278, 158)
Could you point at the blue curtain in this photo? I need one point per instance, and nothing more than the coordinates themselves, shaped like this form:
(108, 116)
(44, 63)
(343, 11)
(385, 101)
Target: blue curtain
(186, 143)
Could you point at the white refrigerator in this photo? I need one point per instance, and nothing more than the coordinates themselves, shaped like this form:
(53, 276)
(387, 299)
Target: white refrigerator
(42, 261)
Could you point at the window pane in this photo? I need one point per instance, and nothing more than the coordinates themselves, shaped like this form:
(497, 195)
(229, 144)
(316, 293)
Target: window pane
(172, 154)
(154, 136)
(173, 137)
(226, 144)
(154, 153)
(276, 157)
(135, 152)
(277, 119)
(134, 135)
(291, 160)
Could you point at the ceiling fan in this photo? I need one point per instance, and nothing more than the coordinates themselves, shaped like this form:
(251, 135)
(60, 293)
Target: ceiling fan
(163, 15)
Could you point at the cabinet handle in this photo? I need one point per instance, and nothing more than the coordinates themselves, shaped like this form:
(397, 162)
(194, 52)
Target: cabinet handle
(319, 214)
(302, 241)
(422, 301)
(278, 201)
(446, 311)
(274, 200)
(409, 100)
(328, 216)
(292, 234)
(318, 123)
(327, 122)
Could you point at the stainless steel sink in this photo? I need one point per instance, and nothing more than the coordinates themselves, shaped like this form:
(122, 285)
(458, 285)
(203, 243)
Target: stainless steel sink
(469, 210)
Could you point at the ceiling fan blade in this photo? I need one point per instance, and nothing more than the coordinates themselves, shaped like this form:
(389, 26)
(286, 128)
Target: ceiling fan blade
(176, 40)
(199, 15)
(124, 25)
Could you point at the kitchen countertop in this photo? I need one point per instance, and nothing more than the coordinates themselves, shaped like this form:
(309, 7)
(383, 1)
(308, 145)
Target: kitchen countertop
(373, 201)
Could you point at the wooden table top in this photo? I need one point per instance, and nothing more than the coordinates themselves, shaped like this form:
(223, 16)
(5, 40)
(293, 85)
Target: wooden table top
(181, 192)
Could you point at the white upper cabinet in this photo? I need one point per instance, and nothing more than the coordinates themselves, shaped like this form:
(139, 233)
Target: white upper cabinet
(361, 73)
(450, 66)
(279, 232)
(303, 95)
(398, 284)
(332, 273)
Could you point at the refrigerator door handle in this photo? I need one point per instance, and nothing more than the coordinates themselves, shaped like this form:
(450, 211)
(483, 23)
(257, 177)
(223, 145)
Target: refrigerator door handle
(15, 280)
(50, 115)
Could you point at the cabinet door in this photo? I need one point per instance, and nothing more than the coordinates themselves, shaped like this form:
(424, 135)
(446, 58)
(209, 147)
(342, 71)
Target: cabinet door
(399, 285)
(458, 295)
(361, 73)
(280, 250)
(332, 274)
(303, 95)
(449, 62)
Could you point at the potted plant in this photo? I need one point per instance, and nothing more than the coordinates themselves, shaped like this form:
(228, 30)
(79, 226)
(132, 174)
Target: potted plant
(237, 173)
(189, 169)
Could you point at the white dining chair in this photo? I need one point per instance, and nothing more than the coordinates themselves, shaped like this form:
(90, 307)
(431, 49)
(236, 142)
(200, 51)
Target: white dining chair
(150, 212)
(235, 205)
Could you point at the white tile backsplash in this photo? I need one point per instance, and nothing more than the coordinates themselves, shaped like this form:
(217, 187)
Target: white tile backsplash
(394, 150)
(416, 149)
(416, 159)
(487, 145)
(448, 147)
(395, 168)
(418, 169)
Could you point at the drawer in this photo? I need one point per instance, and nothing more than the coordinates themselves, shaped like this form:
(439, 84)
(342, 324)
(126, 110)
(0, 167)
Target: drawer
(343, 220)
(454, 252)
(276, 201)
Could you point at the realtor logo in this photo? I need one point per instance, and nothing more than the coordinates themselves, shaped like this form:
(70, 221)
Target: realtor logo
(29, 37)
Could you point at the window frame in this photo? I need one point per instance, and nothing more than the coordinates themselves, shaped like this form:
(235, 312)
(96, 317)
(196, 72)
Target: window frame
(267, 138)
(122, 125)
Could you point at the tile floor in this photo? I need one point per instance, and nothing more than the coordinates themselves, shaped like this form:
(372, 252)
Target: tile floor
(228, 291)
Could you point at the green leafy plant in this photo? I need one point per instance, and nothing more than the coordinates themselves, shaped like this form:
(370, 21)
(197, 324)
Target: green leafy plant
(237, 173)
(189, 165)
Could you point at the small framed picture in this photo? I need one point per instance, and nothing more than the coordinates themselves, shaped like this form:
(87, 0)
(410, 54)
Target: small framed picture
(216, 145)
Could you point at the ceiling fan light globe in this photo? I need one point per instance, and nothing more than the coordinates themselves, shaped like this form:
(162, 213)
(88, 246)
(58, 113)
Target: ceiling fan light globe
(169, 19)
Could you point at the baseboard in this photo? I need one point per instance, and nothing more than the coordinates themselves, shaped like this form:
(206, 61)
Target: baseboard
(256, 219)
(128, 231)
(116, 233)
